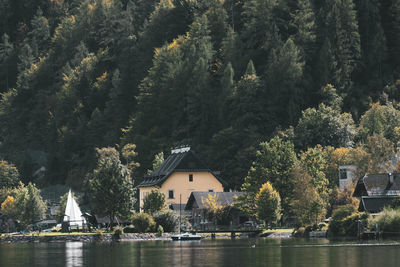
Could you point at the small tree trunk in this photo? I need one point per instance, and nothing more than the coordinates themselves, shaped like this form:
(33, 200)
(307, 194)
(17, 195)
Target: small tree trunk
(111, 221)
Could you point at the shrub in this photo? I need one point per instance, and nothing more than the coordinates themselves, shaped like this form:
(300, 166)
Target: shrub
(143, 222)
(299, 232)
(388, 220)
(336, 224)
(345, 221)
(99, 233)
(160, 230)
(322, 227)
(118, 231)
(167, 219)
(130, 229)
(350, 223)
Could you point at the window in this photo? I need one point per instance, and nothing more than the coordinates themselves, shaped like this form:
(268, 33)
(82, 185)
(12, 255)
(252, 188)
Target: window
(190, 177)
(211, 190)
(170, 193)
(342, 174)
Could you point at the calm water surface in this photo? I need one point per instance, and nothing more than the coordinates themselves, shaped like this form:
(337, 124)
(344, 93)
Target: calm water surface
(240, 252)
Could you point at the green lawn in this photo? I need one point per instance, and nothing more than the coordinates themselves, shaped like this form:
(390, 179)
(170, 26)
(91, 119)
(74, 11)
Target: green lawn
(57, 234)
(279, 230)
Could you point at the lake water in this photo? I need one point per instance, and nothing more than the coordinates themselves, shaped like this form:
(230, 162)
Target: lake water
(239, 252)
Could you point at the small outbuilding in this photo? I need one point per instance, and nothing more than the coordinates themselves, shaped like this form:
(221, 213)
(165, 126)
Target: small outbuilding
(198, 208)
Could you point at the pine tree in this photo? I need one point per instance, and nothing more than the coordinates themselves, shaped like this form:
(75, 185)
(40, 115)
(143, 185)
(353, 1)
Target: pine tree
(40, 34)
(198, 58)
(250, 70)
(283, 75)
(373, 45)
(246, 111)
(341, 28)
(218, 22)
(25, 60)
(231, 50)
(304, 22)
(226, 93)
(394, 37)
(81, 52)
(260, 31)
(6, 52)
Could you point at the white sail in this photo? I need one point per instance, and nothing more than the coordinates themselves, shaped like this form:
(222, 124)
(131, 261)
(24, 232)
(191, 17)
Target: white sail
(73, 213)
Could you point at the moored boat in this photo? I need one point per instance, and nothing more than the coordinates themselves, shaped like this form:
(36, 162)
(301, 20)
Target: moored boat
(185, 236)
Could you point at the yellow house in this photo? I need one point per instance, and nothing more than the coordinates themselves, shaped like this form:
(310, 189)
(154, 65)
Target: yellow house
(178, 176)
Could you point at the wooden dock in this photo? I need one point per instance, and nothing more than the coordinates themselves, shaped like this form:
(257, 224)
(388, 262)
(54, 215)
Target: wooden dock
(233, 232)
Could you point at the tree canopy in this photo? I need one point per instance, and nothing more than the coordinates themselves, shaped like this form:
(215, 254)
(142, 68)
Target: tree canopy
(110, 187)
(221, 76)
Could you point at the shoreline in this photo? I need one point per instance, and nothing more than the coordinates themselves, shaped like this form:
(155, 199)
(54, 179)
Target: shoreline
(114, 238)
(82, 238)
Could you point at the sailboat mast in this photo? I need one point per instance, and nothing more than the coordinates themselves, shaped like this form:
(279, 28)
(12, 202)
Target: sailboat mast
(180, 211)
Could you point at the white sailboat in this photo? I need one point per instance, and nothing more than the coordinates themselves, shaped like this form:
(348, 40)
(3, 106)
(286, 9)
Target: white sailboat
(73, 214)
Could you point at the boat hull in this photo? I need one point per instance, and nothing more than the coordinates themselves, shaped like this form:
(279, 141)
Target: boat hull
(185, 238)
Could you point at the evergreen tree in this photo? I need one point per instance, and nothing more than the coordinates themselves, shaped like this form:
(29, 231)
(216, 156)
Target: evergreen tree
(29, 204)
(40, 34)
(394, 36)
(325, 65)
(158, 160)
(25, 60)
(226, 93)
(284, 72)
(304, 22)
(341, 27)
(6, 53)
(246, 111)
(373, 46)
(260, 31)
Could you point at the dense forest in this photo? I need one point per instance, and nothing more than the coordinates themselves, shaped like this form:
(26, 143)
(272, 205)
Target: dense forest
(219, 75)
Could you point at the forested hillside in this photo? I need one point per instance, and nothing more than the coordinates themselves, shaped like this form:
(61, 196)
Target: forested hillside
(219, 75)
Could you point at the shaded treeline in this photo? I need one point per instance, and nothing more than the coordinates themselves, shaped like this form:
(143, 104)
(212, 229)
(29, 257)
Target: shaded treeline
(219, 75)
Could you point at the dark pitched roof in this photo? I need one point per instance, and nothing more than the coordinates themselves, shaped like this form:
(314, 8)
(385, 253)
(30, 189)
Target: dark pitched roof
(224, 198)
(377, 203)
(181, 160)
(360, 189)
(396, 182)
(378, 185)
(376, 182)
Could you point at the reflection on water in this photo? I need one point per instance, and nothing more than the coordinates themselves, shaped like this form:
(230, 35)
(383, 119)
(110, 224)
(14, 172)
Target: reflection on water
(74, 254)
(239, 252)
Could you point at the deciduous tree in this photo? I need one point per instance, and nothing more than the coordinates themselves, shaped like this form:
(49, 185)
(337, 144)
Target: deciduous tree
(111, 189)
(306, 204)
(9, 175)
(268, 204)
(153, 202)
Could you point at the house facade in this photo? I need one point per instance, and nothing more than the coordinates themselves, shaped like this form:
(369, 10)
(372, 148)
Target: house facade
(347, 174)
(178, 176)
